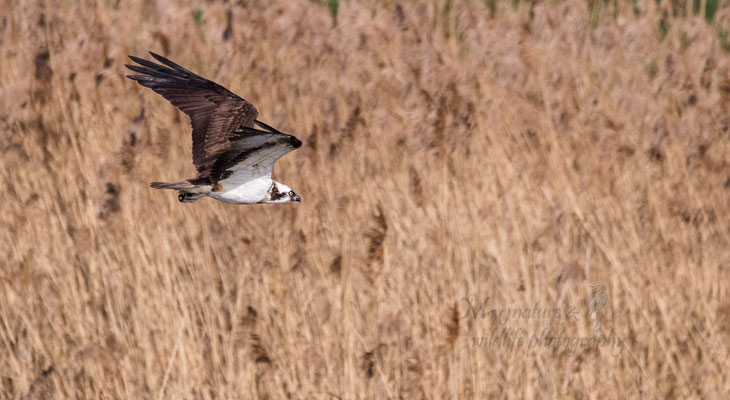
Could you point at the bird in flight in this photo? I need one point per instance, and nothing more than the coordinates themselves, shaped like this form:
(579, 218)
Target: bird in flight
(234, 159)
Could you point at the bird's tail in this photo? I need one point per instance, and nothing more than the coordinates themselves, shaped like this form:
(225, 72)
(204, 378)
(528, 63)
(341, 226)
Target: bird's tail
(181, 185)
(188, 191)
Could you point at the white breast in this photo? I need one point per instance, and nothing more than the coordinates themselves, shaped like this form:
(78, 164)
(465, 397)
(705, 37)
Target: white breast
(249, 192)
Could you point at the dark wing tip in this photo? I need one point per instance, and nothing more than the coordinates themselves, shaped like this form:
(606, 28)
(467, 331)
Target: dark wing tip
(136, 59)
(131, 67)
(158, 57)
(296, 143)
(170, 64)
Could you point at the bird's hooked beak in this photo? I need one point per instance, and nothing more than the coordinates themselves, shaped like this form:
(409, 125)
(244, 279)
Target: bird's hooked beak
(296, 198)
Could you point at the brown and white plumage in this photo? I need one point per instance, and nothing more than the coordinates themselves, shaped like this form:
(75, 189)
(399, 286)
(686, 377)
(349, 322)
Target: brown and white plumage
(233, 158)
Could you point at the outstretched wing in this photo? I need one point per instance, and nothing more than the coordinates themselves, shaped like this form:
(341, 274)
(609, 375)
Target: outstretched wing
(252, 155)
(215, 112)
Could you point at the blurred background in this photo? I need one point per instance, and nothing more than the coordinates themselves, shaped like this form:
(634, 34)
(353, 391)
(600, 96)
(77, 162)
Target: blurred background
(460, 159)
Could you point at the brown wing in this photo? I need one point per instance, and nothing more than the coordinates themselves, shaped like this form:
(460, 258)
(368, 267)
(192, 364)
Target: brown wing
(215, 112)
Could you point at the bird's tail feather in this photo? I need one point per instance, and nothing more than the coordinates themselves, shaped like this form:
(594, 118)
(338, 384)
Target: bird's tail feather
(188, 191)
(181, 185)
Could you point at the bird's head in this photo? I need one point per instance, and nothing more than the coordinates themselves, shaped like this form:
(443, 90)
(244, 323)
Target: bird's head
(280, 193)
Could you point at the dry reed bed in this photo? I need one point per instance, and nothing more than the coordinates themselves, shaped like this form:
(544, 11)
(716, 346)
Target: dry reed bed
(450, 152)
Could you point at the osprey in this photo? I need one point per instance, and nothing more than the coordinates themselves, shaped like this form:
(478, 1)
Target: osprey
(234, 159)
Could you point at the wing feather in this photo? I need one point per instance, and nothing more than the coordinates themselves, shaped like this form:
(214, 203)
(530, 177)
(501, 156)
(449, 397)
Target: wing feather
(252, 156)
(215, 112)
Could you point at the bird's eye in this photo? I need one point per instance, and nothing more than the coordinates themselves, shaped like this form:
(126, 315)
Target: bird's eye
(291, 194)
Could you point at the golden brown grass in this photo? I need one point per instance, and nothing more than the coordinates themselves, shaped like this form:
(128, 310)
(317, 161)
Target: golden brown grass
(452, 153)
